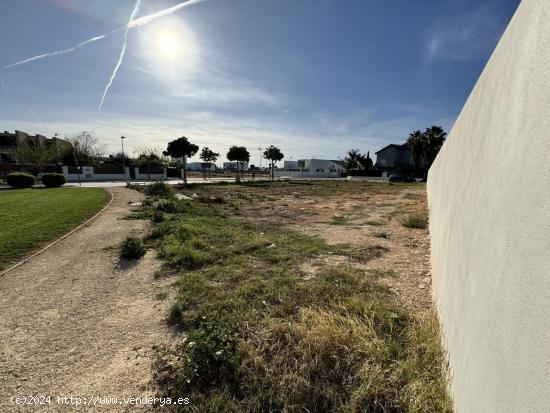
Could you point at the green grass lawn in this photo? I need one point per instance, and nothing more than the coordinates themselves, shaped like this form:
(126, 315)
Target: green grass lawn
(31, 217)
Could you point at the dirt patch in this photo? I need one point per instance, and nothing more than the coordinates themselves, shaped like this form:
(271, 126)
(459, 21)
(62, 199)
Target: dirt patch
(353, 213)
(76, 321)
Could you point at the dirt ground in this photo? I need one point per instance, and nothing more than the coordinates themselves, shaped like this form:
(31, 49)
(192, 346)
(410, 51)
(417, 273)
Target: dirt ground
(353, 213)
(75, 321)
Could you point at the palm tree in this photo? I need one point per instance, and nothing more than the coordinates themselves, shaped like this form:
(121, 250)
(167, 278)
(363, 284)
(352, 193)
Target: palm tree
(354, 160)
(435, 138)
(417, 143)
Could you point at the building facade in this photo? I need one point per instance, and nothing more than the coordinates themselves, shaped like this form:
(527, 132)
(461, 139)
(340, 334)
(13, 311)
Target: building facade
(319, 168)
(394, 158)
(10, 142)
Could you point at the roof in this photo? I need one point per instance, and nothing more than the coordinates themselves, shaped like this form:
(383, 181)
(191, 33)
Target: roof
(404, 146)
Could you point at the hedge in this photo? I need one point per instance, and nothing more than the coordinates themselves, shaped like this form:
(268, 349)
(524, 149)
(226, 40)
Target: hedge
(20, 180)
(53, 180)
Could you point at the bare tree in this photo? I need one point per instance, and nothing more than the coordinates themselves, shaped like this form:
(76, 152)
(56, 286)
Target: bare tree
(85, 150)
(150, 157)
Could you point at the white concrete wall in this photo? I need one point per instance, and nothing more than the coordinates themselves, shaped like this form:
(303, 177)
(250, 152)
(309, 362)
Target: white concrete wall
(299, 174)
(88, 174)
(489, 198)
(154, 177)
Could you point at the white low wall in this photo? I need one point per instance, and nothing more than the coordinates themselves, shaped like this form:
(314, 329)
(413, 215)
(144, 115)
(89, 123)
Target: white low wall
(298, 174)
(153, 177)
(489, 199)
(87, 173)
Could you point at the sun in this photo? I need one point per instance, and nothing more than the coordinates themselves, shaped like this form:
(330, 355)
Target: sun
(169, 45)
(170, 50)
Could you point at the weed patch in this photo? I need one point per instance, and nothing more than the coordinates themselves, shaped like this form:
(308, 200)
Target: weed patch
(419, 221)
(261, 337)
(132, 248)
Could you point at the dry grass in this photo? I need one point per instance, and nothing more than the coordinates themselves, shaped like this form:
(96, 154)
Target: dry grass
(275, 319)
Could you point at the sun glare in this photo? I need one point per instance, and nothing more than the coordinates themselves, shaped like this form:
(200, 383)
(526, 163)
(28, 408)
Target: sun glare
(170, 50)
(169, 45)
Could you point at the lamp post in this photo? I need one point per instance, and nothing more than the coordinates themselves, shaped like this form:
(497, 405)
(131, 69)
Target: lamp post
(260, 150)
(123, 160)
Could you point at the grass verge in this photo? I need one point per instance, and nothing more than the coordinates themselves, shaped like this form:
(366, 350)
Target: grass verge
(31, 217)
(259, 335)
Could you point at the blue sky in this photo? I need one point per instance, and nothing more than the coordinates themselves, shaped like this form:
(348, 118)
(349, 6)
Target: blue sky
(315, 77)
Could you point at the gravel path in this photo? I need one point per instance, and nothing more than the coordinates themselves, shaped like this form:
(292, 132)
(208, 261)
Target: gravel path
(74, 321)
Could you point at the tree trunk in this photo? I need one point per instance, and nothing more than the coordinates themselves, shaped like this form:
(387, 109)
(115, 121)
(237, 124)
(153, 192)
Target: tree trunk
(184, 161)
(272, 171)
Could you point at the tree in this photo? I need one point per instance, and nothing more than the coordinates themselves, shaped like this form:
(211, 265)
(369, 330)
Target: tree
(435, 138)
(416, 142)
(150, 158)
(425, 146)
(85, 150)
(208, 157)
(273, 155)
(181, 148)
(367, 164)
(239, 154)
(354, 160)
(34, 154)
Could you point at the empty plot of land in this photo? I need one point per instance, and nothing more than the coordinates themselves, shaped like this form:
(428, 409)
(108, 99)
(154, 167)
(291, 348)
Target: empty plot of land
(299, 296)
(360, 214)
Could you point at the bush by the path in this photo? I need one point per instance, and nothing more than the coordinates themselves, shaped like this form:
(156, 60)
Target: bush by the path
(20, 180)
(53, 180)
(132, 249)
(159, 189)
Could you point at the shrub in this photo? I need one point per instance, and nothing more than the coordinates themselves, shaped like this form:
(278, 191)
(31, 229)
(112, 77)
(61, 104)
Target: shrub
(207, 358)
(132, 248)
(166, 205)
(53, 180)
(159, 189)
(157, 217)
(415, 221)
(20, 180)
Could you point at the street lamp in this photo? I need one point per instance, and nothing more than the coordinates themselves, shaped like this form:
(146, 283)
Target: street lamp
(260, 149)
(123, 160)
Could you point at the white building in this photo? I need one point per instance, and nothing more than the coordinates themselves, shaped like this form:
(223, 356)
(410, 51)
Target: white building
(312, 168)
(200, 166)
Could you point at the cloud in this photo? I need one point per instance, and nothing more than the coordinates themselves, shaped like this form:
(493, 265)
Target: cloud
(464, 37)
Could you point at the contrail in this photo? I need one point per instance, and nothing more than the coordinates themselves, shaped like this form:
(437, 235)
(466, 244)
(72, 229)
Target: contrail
(154, 16)
(62, 51)
(131, 24)
(121, 56)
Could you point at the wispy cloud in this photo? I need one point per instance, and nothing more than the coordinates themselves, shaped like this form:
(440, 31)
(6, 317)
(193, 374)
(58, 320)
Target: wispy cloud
(465, 36)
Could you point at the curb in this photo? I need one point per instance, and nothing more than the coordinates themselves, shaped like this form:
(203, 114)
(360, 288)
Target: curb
(2, 273)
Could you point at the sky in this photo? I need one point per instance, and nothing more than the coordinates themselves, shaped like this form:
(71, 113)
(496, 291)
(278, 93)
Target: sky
(314, 77)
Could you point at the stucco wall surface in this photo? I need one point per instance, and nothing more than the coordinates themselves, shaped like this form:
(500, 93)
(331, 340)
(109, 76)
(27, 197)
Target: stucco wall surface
(489, 199)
